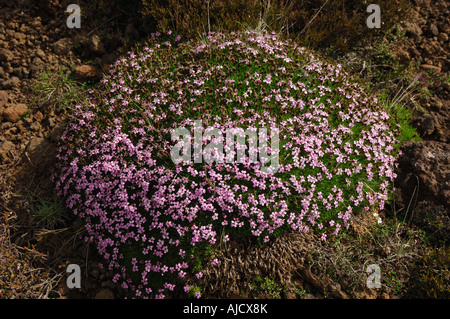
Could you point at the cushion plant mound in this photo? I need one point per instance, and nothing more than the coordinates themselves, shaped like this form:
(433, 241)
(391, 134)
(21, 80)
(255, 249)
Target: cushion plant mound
(155, 218)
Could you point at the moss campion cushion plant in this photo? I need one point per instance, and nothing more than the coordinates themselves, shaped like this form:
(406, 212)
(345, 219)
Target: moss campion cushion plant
(151, 218)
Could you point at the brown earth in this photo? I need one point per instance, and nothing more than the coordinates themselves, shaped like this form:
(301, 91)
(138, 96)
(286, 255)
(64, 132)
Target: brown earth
(424, 167)
(34, 38)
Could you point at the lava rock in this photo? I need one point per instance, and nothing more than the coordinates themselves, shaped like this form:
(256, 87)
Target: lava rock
(95, 45)
(41, 155)
(427, 125)
(425, 172)
(443, 37)
(6, 55)
(434, 29)
(62, 46)
(88, 73)
(40, 53)
(14, 112)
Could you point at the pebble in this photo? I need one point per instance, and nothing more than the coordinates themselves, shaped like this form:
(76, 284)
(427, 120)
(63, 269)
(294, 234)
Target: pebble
(434, 29)
(6, 55)
(35, 126)
(442, 37)
(40, 53)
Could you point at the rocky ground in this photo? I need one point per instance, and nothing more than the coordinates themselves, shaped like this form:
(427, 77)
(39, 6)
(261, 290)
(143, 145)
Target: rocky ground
(34, 39)
(424, 166)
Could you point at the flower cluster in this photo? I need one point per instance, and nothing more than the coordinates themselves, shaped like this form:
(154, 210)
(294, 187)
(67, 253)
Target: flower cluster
(147, 215)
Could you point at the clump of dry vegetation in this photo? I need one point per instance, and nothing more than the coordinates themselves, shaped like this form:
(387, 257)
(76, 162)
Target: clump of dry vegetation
(337, 25)
(22, 267)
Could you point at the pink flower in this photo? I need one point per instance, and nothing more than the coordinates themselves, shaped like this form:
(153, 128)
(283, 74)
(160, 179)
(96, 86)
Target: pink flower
(199, 275)
(268, 79)
(115, 175)
(214, 262)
